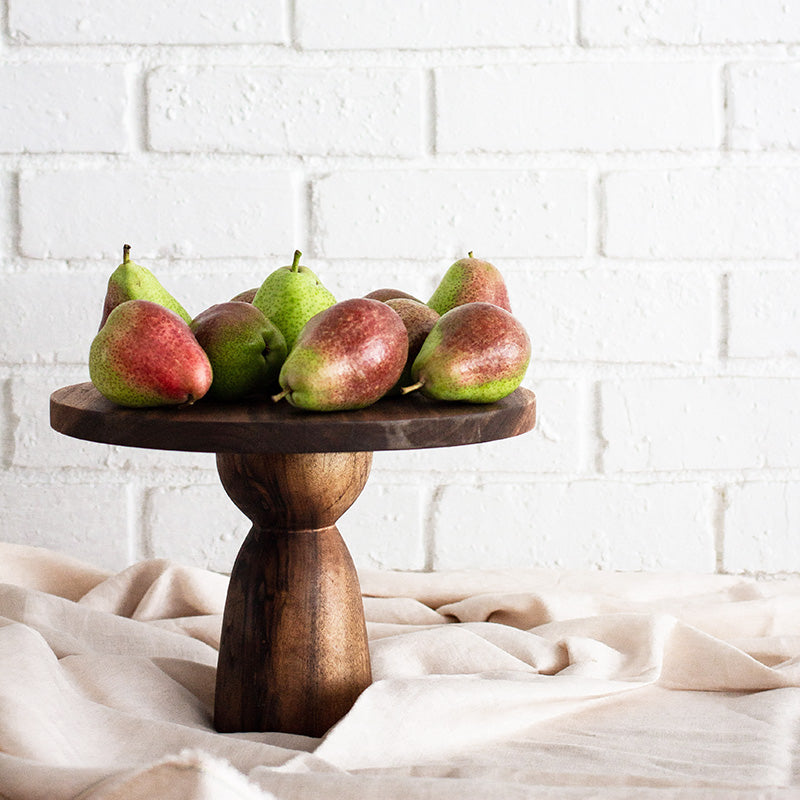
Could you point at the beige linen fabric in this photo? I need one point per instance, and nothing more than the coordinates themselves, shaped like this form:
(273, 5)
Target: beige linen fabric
(509, 684)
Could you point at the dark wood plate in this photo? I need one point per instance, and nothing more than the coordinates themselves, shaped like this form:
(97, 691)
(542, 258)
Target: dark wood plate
(401, 423)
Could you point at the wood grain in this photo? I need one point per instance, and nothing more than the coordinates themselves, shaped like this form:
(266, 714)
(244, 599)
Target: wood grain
(293, 653)
(393, 423)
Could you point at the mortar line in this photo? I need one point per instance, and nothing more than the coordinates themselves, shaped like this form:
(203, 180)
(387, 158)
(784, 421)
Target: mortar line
(306, 233)
(723, 317)
(720, 498)
(290, 26)
(14, 216)
(724, 115)
(600, 443)
(140, 540)
(595, 215)
(428, 534)
(428, 113)
(577, 36)
(138, 110)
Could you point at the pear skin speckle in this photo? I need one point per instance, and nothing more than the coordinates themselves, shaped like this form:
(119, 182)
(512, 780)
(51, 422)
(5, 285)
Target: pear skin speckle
(289, 298)
(476, 353)
(245, 349)
(146, 355)
(470, 280)
(347, 357)
(131, 281)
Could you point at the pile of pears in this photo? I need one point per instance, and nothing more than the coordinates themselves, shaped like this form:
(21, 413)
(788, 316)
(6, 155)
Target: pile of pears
(290, 339)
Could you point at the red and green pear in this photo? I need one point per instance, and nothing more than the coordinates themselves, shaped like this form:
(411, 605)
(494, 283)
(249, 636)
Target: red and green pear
(475, 353)
(419, 320)
(246, 296)
(347, 356)
(131, 281)
(146, 355)
(245, 349)
(470, 280)
(390, 294)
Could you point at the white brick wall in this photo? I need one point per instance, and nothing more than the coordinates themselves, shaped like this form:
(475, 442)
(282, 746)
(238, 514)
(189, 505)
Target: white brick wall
(202, 214)
(422, 212)
(631, 167)
(688, 22)
(361, 112)
(200, 22)
(583, 106)
(703, 213)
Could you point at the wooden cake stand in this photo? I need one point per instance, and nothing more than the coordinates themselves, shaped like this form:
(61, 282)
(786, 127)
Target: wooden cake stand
(293, 653)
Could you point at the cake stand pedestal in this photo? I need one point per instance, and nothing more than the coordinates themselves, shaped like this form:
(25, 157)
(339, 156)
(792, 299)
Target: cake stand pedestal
(293, 652)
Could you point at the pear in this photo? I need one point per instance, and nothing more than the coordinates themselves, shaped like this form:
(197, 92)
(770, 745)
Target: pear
(290, 296)
(419, 319)
(246, 296)
(390, 294)
(245, 349)
(130, 281)
(146, 355)
(470, 280)
(475, 353)
(346, 357)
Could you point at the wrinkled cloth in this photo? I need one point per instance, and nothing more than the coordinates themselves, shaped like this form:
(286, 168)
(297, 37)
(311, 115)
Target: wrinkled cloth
(509, 683)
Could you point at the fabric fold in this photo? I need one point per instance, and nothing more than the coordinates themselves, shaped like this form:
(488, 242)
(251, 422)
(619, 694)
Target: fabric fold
(512, 683)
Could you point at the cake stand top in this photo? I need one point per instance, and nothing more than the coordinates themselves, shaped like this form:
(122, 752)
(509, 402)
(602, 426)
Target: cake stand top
(393, 423)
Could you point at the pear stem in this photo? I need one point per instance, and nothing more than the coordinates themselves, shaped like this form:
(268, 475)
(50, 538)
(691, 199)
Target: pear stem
(296, 261)
(126, 253)
(278, 397)
(413, 387)
(470, 254)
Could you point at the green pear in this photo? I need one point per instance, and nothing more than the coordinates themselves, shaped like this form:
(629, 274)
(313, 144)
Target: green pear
(130, 281)
(470, 280)
(347, 356)
(146, 355)
(419, 319)
(290, 296)
(245, 349)
(475, 353)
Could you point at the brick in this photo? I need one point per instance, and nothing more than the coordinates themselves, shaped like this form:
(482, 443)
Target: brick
(700, 424)
(764, 318)
(146, 22)
(420, 24)
(383, 528)
(364, 112)
(702, 213)
(197, 213)
(197, 525)
(84, 521)
(590, 106)
(759, 534)
(441, 213)
(578, 525)
(623, 316)
(627, 22)
(36, 444)
(764, 106)
(33, 331)
(200, 525)
(555, 445)
(62, 108)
